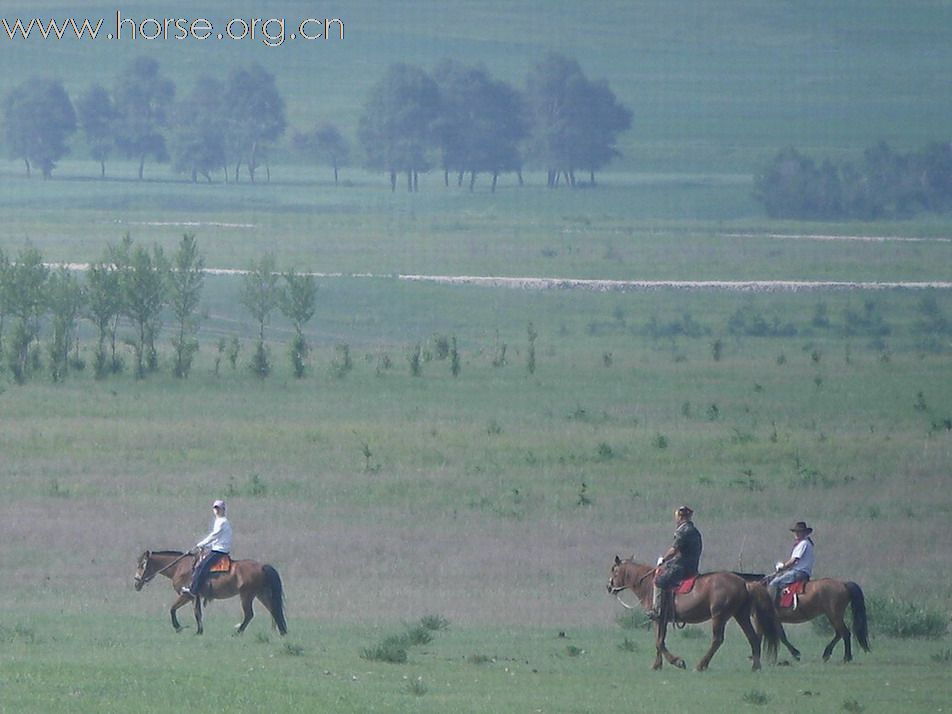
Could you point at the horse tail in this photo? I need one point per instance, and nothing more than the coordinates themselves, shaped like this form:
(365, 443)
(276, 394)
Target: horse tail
(765, 617)
(277, 598)
(860, 625)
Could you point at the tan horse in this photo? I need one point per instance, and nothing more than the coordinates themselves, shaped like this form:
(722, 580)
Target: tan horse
(246, 578)
(829, 597)
(717, 597)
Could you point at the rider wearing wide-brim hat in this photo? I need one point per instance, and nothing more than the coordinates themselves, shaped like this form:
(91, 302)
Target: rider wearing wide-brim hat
(799, 566)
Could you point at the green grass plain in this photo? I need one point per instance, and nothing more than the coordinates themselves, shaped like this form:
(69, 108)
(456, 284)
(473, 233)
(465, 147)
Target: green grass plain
(498, 499)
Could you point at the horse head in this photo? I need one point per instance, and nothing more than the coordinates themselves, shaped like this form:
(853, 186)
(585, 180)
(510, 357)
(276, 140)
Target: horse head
(618, 580)
(142, 575)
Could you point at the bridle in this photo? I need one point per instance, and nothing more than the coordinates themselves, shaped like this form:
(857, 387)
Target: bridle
(616, 591)
(144, 579)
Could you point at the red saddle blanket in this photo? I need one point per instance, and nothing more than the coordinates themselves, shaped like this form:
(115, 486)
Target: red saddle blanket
(789, 594)
(222, 565)
(685, 586)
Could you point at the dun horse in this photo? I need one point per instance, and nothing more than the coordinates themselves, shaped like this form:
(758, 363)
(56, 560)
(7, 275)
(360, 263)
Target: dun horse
(717, 597)
(831, 598)
(246, 578)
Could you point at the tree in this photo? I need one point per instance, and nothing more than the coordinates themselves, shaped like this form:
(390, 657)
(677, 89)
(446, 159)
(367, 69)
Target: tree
(574, 122)
(255, 111)
(326, 144)
(480, 125)
(143, 99)
(396, 127)
(260, 295)
(186, 280)
(198, 131)
(97, 119)
(143, 282)
(6, 293)
(298, 302)
(27, 278)
(38, 119)
(104, 306)
(65, 298)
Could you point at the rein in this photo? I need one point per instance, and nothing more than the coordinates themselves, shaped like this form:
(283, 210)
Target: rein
(162, 570)
(617, 591)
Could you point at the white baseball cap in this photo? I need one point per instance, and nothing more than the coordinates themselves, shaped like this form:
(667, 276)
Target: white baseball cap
(219, 504)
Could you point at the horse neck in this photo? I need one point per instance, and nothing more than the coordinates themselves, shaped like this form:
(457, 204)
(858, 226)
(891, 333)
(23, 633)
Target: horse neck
(164, 559)
(639, 579)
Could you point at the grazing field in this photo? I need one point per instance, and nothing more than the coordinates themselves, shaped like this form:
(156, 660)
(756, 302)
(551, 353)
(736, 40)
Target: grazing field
(445, 536)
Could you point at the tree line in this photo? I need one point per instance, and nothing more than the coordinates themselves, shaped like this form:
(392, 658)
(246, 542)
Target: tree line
(457, 118)
(884, 184)
(127, 297)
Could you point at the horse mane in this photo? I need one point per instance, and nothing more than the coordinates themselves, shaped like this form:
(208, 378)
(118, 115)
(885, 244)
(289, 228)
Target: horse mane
(166, 552)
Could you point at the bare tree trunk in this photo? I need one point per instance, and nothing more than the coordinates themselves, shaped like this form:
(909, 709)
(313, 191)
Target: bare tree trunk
(27, 162)
(472, 180)
(102, 169)
(335, 172)
(141, 165)
(393, 181)
(519, 174)
(495, 176)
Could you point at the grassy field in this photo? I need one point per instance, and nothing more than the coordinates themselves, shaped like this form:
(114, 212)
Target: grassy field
(497, 499)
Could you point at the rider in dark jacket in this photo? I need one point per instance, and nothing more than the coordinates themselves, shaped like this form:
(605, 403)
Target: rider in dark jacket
(679, 561)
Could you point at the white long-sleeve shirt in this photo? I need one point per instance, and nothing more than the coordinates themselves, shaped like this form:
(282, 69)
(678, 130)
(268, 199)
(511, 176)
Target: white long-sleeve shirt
(219, 539)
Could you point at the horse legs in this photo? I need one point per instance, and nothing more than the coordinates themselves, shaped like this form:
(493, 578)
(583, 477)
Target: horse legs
(743, 619)
(718, 623)
(247, 607)
(661, 649)
(842, 633)
(794, 652)
(199, 624)
(175, 606)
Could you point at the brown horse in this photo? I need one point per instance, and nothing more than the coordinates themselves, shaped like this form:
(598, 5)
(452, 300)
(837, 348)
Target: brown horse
(831, 598)
(246, 578)
(717, 597)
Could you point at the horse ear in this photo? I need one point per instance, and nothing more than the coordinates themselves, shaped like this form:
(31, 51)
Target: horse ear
(617, 560)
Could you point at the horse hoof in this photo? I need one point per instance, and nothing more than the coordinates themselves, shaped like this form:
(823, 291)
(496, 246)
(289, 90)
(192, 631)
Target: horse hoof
(679, 663)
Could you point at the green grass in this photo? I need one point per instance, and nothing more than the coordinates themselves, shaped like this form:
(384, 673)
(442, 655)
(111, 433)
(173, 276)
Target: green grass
(94, 663)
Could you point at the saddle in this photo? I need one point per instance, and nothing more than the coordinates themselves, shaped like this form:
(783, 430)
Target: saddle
(790, 595)
(685, 586)
(222, 565)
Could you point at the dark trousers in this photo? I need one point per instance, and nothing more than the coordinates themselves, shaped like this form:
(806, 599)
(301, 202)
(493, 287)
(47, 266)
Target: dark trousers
(670, 576)
(200, 573)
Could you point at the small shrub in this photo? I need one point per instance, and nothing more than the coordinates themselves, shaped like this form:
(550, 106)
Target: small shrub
(660, 442)
(256, 487)
(573, 651)
(717, 350)
(628, 645)
(755, 696)
(419, 635)
(607, 359)
(494, 429)
(415, 358)
(434, 622)
(853, 706)
(605, 451)
(441, 347)
(417, 687)
(392, 649)
(293, 650)
(342, 362)
(454, 358)
(634, 620)
(583, 498)
(479, 659)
